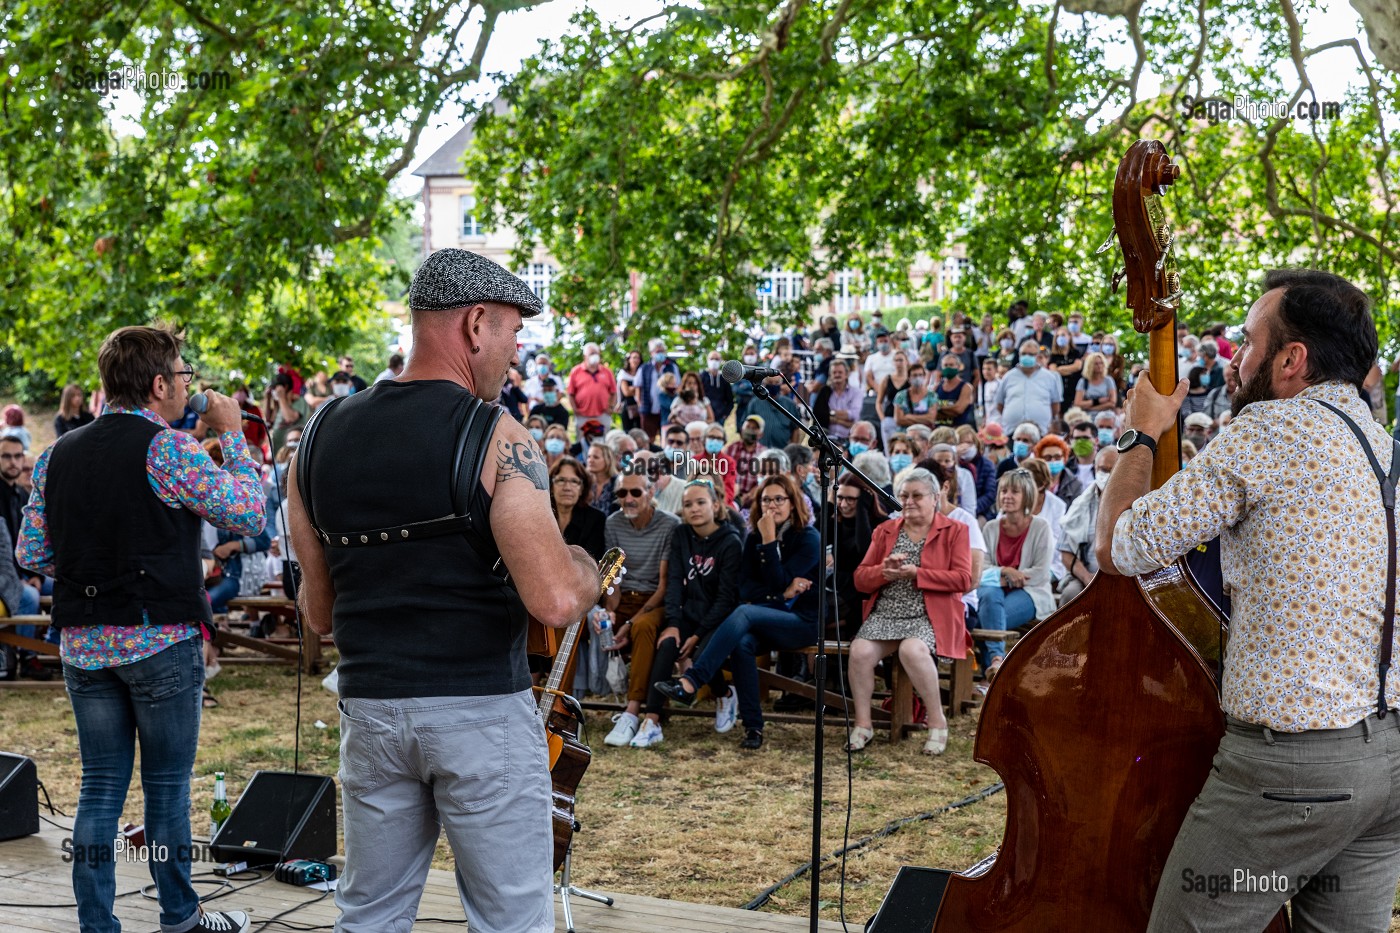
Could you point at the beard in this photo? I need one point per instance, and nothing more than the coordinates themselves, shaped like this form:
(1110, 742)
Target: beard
(1259, 388)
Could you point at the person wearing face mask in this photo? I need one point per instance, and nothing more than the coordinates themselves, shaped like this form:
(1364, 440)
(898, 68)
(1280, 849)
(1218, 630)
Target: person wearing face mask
(901, 453)
(916, 405)
(854, 340)
(1029, 392)
(1056, 453)
(983, 470)
(1082, 448)
(862, 438)
(743, 389)
(592, 389)
(880, 365)
(1077, 333)
(954, 393)
(1004, 350)
(744, 452)
(721, 465)
(1077, 530)
(1117, 366)
(1066, 360)
(719, 393)
(1106, 428)
(556, 444)
(549, 409)
(1023, 440)
(649, 389)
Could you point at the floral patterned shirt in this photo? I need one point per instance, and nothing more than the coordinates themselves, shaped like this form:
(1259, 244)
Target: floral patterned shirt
(1297, 508)
(182, 476)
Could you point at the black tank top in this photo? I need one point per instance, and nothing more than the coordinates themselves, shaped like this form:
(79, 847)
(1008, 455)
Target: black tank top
(414, 618)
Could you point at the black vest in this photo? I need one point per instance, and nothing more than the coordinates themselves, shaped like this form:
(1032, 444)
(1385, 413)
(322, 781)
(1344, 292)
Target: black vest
(416, 617)
(121, 555)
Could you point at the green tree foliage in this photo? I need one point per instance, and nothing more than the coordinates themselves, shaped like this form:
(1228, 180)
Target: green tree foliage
(251, 207)
(705, 144)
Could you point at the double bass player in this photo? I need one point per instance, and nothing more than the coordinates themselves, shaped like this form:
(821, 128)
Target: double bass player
(1301, 802)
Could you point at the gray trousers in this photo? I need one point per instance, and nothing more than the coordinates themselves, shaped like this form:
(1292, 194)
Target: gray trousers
(1312, 817)
(477, 767)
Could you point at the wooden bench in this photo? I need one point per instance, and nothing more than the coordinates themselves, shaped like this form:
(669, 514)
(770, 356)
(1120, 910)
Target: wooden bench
(284, 609)
(23, 641)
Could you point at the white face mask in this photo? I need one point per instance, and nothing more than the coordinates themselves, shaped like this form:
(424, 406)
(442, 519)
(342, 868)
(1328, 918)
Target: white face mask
(750, 359)
(714, 365)
(340, 388)
(1101, 479)
(592, 359)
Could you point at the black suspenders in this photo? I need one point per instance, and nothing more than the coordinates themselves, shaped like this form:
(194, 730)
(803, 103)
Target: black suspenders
(1388, 484)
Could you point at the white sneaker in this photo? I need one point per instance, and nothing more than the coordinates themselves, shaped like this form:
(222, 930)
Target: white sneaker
(625, 727)
(648, 735)
(726, 711)
(228, 921)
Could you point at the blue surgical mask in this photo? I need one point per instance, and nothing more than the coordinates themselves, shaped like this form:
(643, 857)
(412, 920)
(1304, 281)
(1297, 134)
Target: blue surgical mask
(713, 445)
(857, 448)
(554, 447)
(1021, 449)
(537, 434)
(1094, 348)
(900, 461)
(1056, 467)
(1074, 327)
(1027, 361)
(1109, 349)
(658, 357)
(853, 324)
(1105, 436)
(1008, 344)
(551, 397)
(677, 454)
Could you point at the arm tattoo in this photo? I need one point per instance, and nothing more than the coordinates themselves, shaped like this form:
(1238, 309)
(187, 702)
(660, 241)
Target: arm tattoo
(514, 459)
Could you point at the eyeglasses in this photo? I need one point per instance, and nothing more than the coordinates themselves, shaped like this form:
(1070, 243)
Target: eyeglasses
(627, 493)
(676, 442)
(773, 500)
(189, 374)
(567, 481)
(841, 498)
(911, 496)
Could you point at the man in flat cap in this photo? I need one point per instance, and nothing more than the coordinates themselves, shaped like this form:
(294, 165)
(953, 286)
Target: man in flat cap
(433, 680)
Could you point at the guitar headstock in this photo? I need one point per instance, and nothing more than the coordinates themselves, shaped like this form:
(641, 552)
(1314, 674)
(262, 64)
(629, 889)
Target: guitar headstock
(1145, 236)
(610, 568)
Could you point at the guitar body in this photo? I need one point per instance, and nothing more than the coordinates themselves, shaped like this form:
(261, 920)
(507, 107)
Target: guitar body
(566, 767)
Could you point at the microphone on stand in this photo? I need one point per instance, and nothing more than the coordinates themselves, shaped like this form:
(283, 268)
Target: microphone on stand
(734, 371)
(200, 403)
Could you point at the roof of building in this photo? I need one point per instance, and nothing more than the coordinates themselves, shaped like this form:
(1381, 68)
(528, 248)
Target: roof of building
(447, 160)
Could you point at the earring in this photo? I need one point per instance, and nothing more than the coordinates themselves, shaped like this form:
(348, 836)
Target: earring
(476, 349)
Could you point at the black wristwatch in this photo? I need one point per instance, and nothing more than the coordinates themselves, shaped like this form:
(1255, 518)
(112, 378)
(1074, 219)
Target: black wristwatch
(1133, 438)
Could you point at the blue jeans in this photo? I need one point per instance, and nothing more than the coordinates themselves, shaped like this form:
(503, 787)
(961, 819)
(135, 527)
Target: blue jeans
(156, 700)
(28, 606)
(220, 593)
(739, 638)
(999, 609)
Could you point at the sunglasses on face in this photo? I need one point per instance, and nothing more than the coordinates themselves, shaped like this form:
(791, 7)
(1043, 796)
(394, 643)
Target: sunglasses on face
(627, 493)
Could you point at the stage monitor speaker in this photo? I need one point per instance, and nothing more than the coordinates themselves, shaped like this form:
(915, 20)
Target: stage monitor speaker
(279, 816)
(19, 796)
(912, 902)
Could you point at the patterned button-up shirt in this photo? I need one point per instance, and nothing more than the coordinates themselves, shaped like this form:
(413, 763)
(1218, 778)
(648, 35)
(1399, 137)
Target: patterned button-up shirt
(182, 476)
(1303, 542)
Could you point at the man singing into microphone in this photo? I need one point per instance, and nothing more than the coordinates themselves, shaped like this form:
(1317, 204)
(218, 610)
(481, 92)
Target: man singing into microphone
(114, 518)
(438, 724)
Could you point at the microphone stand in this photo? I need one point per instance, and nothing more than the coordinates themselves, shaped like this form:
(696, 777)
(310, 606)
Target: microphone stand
(829, 455)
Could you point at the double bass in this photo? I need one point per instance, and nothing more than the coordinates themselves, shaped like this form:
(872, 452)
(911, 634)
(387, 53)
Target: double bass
(1103, 719)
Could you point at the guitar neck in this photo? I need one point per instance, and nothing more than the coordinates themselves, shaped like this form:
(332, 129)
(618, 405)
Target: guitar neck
(561, 664)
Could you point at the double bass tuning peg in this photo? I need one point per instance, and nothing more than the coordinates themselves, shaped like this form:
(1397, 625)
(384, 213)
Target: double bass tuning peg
(1108, 243)
(1117, 280)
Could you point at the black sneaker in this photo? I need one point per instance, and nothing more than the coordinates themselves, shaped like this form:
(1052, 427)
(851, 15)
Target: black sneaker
(227, 921)
(672, 688)
(753, 738)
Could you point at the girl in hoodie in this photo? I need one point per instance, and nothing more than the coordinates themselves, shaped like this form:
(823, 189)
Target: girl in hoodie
(702, 588)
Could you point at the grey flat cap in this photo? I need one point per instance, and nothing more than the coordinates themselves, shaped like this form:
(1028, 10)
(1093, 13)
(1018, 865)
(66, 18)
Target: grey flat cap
(457, 278)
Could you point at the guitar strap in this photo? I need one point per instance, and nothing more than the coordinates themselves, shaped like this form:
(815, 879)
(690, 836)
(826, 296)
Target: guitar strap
(1388, 484)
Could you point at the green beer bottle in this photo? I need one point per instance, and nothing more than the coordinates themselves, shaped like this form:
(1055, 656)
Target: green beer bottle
(219, 810)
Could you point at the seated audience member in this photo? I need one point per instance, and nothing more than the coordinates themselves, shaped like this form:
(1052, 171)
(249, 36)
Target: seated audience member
(342, 384)
(72, 413)
(743, 452)
(668, 391)
(1055, 452)
(1047, 505)
(1023, 441)
(570, 486)
(1015, 586)
(556, 444)
(856, 520)
(916, 404)
(601, 463)
(876, 466)
(702, 589)
(948, 506)
(917, 569)
(228, 548)
(550, 408)
(1096, 390)
(1076, 546)
(639, 437)
(1083, 445)
(943, 449)
(984, 472)
(782, 558)
(637, 604)
(721, 465)
(890, 386)
(919, 436)
(1198, 428)
(513, 398)
(899, 450)
(1106, 428)
(621, 443)
(837, 404)
(862, 439)
(954, 393)
(996, 446)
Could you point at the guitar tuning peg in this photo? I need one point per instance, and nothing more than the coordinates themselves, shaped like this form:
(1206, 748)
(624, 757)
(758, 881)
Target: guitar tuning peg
(1108, 243)
(610, 591)
(1117, 280)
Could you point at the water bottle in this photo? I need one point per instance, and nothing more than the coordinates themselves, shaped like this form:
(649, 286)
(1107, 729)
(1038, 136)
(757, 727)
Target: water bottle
(605, 631)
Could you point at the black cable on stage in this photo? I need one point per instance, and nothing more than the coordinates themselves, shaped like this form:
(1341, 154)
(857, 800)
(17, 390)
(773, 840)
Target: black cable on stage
(888, 830)
(264, 924)
(49, 803)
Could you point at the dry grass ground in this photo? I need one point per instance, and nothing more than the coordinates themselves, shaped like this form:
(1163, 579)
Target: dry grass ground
(694, 819)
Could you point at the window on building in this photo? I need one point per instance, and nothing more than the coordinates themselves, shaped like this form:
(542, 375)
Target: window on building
(470, 226)
(538, 276)
(845, 291)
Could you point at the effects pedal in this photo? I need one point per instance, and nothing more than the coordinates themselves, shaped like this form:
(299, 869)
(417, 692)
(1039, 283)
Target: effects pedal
(303, 872)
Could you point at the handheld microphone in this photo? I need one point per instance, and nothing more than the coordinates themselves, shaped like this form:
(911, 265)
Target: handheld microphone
(733, 371)
(200, 403)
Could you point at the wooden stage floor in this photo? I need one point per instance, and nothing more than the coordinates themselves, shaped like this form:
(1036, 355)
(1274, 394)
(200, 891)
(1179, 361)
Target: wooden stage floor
(32, 872)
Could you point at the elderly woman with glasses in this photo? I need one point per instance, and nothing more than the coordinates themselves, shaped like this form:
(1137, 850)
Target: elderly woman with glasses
(777, 587)
(1015, 586)
(916, 571)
